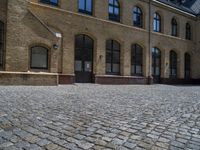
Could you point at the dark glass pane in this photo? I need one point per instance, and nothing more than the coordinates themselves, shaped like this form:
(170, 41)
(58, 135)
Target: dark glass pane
(108, 57)
(116, 46)
(173, 64)
(157, 22)
(136, 59)
(187, 65)
(81, 4)
(112, 57)
(188, 32)
(79, 41)
(39, 58)
(88, 42)
(89, 5)
(85, 6)
(108, 44)
(114, 10)
(137, 17)
(51, 2)
(116, 57)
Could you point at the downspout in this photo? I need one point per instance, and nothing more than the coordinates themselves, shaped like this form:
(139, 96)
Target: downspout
(150, 79)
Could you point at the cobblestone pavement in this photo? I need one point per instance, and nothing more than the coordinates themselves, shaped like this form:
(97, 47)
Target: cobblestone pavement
(90, 116)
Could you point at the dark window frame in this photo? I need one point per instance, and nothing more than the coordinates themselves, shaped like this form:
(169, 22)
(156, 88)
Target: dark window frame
(157, 21)
(49, 2)
(2, 43)
(114, 5)
(187, 65)
(173, 64)
(113, 50)
(136, 59)
(188, 32)
(174, 26)
(47, 61)
(85, 11)
(138, 13)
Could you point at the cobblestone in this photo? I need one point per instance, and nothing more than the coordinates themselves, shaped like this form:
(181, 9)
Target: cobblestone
(95, 117)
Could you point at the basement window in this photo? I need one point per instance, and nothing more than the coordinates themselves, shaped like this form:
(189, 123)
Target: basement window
(39, 58)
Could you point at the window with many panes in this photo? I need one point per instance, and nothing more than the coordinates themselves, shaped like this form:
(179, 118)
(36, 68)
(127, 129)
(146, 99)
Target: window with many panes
(136, 60)
(114, 10)
(112, 57)
(85, 6)
(50, 2)
(156, 61)
(173, 64)
(1, 44)
(174, 27)
(187, 65)
(137, 17)
(188, 33)
(157, 23)
(39, 58)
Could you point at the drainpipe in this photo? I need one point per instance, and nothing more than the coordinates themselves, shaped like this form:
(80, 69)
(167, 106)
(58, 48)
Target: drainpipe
(149, 70)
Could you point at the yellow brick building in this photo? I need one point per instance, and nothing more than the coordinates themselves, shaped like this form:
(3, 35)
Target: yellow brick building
(49, 42)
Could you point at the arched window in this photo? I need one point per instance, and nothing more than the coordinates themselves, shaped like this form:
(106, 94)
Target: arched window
(137, 17)
(112, 57)
(114, 10)
(157, 23)
(156, 62)
(173, 64)
(187, 65)
(39, 58)
(188, 34)
(136, 59)
(174, 27)
(50, 2)
(85, 6)
(1, 44)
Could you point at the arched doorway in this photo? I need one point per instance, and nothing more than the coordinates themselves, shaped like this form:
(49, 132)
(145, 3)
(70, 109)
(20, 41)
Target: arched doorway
(156, 64)
(83, 58)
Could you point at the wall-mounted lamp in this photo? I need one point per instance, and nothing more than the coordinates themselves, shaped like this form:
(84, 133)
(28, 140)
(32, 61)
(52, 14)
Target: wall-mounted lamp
(55, 46)
(100, 56)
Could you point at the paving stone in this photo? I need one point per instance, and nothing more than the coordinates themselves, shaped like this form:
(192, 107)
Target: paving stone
(130, 145)
(85, 145)
(43, 142)
(178, 144)
(51, 146)
(6, 144)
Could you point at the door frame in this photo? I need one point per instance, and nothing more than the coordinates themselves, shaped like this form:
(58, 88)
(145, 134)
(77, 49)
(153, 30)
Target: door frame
(92, 61)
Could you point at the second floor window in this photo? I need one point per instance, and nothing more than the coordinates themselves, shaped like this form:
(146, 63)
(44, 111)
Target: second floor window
(114, 10)
(50, 2)
(85, 6)
(157, 23)
(137, 17)
(188, 33)
(174, 27)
